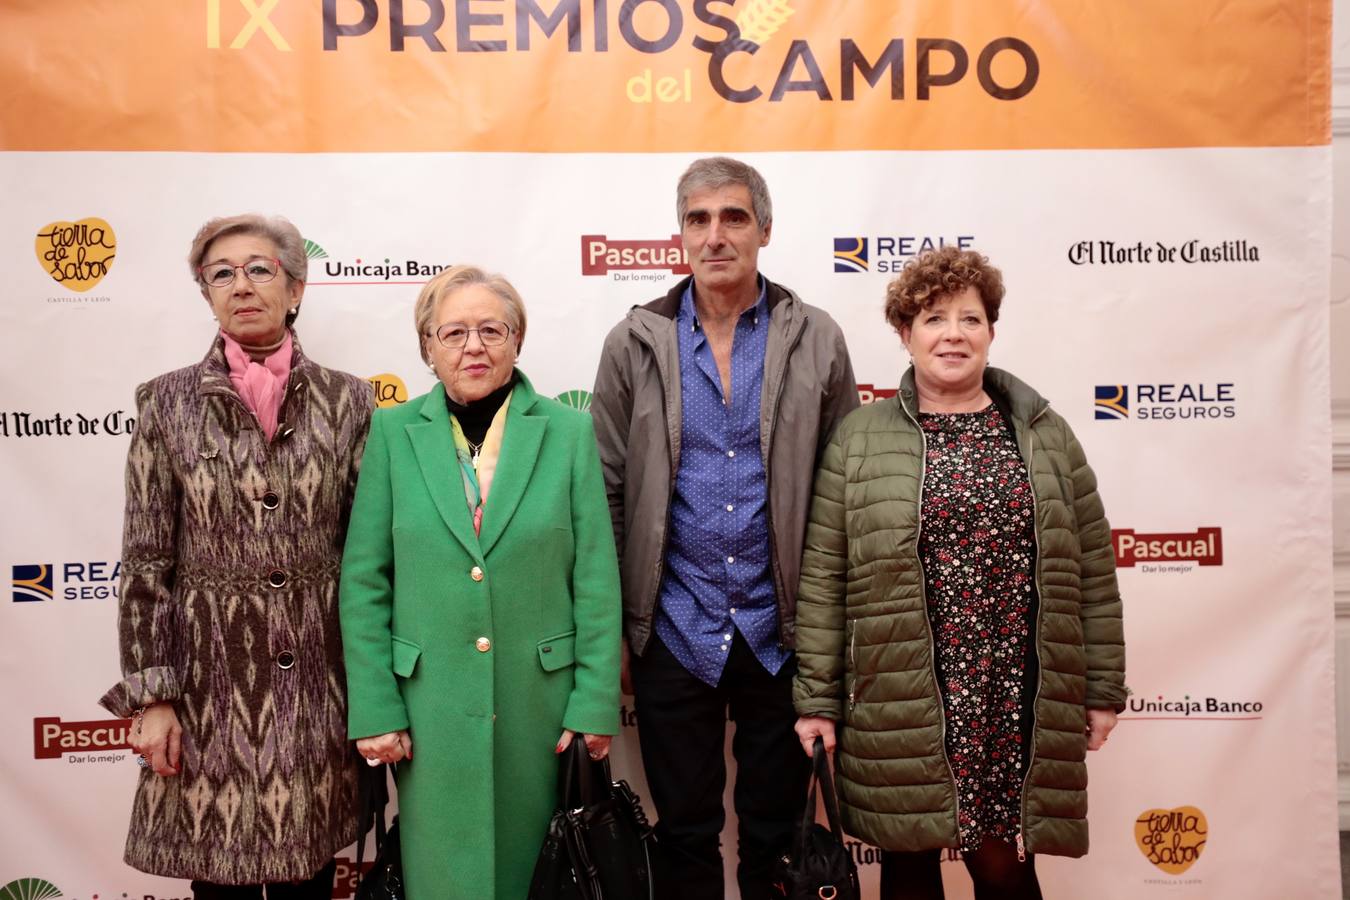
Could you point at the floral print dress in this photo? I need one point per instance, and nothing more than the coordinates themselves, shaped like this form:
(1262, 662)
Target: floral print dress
(978, 548)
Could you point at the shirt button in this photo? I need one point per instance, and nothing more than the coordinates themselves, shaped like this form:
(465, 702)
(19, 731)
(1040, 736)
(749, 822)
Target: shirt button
(276, 578)
(730, 507)
(731, 559)
(483, 645)
(731, 453)
(733, 610)
(476, 573)
(726, 637)
(270, 500)
(285, 659)
(724, 647)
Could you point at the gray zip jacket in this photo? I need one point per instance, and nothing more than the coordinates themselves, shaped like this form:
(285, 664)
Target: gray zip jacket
(808, 388)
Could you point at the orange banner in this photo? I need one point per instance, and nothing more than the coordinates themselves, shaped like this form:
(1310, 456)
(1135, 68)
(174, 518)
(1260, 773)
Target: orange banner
(661, 75)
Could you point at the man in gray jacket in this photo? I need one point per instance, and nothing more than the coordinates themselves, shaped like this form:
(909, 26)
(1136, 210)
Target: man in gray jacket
(711, 407)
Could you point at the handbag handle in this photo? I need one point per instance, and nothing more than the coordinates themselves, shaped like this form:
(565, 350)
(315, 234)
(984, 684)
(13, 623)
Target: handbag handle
(582, 781)
(820, 775)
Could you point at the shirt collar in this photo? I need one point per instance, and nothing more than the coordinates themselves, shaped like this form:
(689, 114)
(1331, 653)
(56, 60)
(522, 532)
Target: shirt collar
(688, 315)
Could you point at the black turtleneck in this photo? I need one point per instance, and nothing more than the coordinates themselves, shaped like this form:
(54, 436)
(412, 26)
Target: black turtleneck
(476, 416)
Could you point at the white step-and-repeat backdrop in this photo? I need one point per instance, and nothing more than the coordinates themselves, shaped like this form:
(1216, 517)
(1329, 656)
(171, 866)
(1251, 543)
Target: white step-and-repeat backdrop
(1152, 177)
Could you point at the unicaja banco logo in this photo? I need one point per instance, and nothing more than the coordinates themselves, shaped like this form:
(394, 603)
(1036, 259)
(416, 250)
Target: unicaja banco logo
(1172, 839)
(32, 582)
(29, 889)
(577, 399)
(850, 254)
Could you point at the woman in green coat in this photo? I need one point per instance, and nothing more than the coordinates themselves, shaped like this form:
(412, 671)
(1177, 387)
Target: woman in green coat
(480, 598)
(958, 624)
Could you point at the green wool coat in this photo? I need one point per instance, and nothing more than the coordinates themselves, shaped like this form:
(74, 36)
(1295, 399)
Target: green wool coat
(865, 643)
(419, 594)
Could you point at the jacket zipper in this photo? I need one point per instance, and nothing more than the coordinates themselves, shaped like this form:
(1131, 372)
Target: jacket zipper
(1035, 630)
(853, 662)
(923, 599)
(658, 569)
(765, 452)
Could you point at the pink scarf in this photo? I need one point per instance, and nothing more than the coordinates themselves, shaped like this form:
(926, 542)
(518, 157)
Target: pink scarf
(260, 385)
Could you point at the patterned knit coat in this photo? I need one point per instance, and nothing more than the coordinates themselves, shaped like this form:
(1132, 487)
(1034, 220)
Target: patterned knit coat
(228, 609)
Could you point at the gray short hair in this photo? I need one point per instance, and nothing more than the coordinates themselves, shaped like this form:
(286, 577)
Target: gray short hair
(284, 235)
(720, 171)
(452, 279)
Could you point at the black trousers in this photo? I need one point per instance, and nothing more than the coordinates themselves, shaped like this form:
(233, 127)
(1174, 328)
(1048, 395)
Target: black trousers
(682, 731)
(320, 887)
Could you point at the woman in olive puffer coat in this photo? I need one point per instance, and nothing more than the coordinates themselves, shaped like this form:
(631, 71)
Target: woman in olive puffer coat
(958, 623)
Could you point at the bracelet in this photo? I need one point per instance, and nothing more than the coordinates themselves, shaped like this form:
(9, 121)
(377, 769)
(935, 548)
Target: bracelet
(137, 715)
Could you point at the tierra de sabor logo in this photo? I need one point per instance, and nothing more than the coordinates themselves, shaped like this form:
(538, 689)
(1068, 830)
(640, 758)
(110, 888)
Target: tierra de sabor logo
(389, 389)
(733, 34)
(1172, 839)
(76, 254)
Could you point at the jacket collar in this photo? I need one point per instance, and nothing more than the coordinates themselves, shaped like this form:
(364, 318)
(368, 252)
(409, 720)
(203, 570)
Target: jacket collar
(215, 370)
(1013, 396)
(434, 446)
(668, 305)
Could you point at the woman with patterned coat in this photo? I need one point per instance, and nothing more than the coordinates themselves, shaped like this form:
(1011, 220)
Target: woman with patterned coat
(240, 479)
(958, 624)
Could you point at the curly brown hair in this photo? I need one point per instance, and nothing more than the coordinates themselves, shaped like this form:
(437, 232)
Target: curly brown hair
(936, 274)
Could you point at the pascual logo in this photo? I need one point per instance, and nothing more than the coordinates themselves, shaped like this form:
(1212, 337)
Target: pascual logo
(1193, 708)
(347, 877)
(76, 255)
(1171, 839)
(1215, 400)
(889, 253)
(1108, 253)
(389, 390)
(52, 738)
(15, 423)
(29, 889)
(795, 69)
(869, 393)
(32, 583)
(364, 271)
(1169, 552)
(633, 260)
(75, 581)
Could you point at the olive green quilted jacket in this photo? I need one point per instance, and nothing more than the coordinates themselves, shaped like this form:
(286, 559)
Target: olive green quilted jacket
(865, 647)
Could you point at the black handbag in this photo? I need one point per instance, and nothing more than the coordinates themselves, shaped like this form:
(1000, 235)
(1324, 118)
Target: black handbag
(384, 881)
(819, 866)
(598, 843)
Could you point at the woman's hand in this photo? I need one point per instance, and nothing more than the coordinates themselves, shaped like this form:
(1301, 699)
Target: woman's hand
(808, 727)
(159, 738)
(1099, 725)
(393, 747)
(597, 745)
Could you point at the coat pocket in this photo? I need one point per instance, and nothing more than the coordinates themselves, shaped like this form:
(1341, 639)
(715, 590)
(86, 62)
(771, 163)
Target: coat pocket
(558, 651)
(406, 655)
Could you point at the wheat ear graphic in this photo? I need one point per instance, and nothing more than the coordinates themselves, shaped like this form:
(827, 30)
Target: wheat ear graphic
(762, 18)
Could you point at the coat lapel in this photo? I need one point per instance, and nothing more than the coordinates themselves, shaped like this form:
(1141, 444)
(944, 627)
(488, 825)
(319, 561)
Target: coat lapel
(520, 450)
(434, 447)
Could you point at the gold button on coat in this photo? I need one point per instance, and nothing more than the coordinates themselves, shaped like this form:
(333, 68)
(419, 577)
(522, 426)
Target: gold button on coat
(483, 645)
(476, 573)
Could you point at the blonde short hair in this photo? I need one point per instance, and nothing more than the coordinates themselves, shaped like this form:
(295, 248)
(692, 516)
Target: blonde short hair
(446, 282)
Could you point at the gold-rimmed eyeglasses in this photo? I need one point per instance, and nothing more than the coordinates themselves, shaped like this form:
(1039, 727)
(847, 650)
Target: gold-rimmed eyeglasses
(258, 271)
(455, 335)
